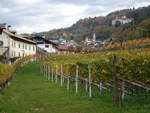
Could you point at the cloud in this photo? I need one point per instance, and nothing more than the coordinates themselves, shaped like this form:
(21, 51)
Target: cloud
(42, 15)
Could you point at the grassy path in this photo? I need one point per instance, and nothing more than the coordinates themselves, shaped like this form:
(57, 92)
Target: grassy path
(30, 92)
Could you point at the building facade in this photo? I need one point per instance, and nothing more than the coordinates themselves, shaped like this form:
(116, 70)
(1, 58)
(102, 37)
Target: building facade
(17, 46)
(45, 45)
(122, 20)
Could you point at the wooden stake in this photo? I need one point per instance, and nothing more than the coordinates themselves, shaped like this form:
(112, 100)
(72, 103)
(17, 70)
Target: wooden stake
(90, 87)
(56, 74)
(123, 91)
(52, 74)
(61, 81)
(49, 72)
(44, 70)
(117, 93)
(86, 85)
(77, 75)
(68, 82)
(100, 88)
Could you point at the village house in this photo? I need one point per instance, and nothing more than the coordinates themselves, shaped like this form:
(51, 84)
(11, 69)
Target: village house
(92, 42)
(44, 45)
(13, 46)
(63, 49)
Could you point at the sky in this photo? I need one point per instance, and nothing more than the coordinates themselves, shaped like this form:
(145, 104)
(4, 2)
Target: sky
(28, 16)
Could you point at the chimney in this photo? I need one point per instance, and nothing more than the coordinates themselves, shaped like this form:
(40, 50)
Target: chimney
(2, 26)
(8, 27)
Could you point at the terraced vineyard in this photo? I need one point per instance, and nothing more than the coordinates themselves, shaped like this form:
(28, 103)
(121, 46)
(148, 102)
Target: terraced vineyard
(133, 65)
(123, 73)
(84, 76)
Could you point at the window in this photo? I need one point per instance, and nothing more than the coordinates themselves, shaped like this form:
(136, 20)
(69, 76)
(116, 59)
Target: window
(25, 46)
(33, 48)
(18, 45)
(19, 54)
(12, 54)
(12, 44)
(23, 54)
(1, 43)
(29, 47)
(47, 46)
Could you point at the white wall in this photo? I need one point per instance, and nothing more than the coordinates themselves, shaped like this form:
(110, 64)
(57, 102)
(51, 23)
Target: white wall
(21, 49)
(5, 39)
(48, 47)
(17, 48)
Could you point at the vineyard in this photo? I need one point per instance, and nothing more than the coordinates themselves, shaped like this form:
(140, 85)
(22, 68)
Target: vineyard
(7, 70)
(137, 43)
(94, 82)
(121, 71)
(123, 74)
(133, 65)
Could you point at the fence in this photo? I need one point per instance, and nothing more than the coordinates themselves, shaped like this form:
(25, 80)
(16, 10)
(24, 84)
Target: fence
(119, 87)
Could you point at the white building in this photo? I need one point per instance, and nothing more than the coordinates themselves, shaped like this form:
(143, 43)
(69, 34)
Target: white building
(122, 20)
(45, 45)
(15, 46)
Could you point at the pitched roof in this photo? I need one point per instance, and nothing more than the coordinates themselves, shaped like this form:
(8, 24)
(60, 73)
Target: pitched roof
(62, 48)
(46, 40)
(17, 37)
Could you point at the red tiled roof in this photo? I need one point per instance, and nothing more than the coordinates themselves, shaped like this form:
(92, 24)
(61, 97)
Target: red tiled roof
(62, 48)
(2, 26)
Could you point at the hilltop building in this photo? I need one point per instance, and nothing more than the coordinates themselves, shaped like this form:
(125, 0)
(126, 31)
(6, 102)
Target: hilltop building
(122, 20)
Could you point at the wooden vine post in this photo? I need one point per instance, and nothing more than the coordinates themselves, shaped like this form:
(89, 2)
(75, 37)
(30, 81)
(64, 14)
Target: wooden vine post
(41, 68)
(49, 69)
(77, 75)
(86, 85)
(44, 70)
(123, 91)
(52, 74)
(68, 83)
(61, 78)
(117, 93)
(90, 87)
(56, 74)
(100, 88)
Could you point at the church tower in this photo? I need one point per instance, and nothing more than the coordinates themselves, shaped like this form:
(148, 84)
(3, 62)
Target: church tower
(94, 37)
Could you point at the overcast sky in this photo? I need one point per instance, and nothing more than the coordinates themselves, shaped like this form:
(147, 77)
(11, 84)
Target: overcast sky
(43, 15)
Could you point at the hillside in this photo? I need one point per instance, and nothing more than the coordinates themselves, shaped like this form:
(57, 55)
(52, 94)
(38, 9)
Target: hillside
(102, 26)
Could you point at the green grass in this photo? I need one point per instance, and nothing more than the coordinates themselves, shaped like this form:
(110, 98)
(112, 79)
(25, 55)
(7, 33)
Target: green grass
(30, 92)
